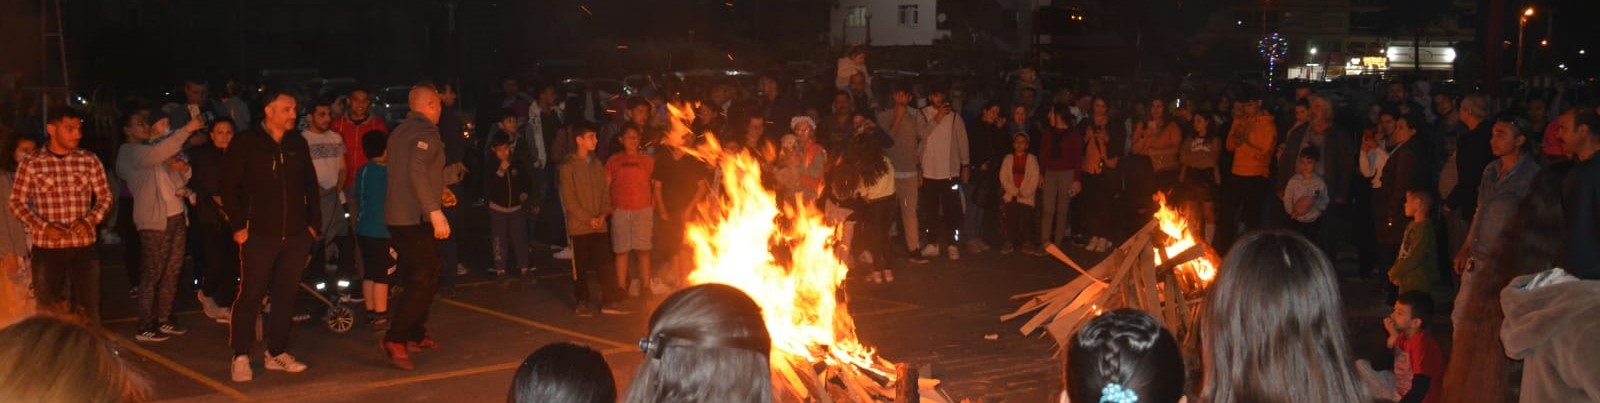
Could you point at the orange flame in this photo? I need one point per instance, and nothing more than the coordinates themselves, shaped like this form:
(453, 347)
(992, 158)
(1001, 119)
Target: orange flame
(781, 254)
(1194, 274)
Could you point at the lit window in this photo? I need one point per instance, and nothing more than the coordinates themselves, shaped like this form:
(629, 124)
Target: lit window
(857, 16)
(908, 14)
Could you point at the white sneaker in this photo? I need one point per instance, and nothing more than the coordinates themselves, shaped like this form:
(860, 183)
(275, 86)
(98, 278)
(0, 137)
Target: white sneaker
(659, 287)
(953, 251)
(461, 269)
(633, 287)
(284, 362)
(241, 369)
(564, 254)
(930, 250)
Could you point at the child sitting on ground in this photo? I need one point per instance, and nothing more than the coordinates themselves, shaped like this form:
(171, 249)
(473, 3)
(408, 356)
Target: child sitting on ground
(1124, 356)
(1418, 363)
(372, 237)
(1416, 267)
(1306, 195)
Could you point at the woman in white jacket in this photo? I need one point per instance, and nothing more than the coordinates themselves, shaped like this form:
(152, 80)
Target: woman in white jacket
(1019, 183)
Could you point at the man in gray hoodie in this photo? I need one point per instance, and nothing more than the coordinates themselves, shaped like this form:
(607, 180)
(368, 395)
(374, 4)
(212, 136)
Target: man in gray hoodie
(414, 212)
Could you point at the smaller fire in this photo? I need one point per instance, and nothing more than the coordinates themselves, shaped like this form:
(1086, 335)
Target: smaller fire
(1195, 274)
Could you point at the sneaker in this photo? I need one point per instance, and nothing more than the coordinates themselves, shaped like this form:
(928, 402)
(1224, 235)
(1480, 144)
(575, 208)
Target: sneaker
(529, 270)
(917, 259)
(461, 269)
(241, 368)
(659, 287)
(173, 329)
(284, 362)
(427, 343)
(207, 304)
(133, 293)
(953, 251)
(1034, 251)
(1006, 249)
(875, 278)
(151, 336)
(930, 250)
(584, 310)
(633, 287)
(888, 276)
(564, 254)
(497, 272)
(613, 309)
(973, 247)
(397, 355)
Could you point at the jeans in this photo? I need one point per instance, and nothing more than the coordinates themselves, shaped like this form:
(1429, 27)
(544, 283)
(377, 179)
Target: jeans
(220, 278)
(974, 193)
(942, 206)
(449, 254)
(905, 196)
(418, 261)
(271, 267)
(1016, 223)
(1242, 200)
(163, 260)
(874, 220)
(595, 283)
(68, 280)
(508, 232)
(1054, 201)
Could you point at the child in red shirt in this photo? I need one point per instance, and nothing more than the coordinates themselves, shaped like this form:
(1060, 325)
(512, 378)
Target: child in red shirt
(1418, 363)
(628, 173)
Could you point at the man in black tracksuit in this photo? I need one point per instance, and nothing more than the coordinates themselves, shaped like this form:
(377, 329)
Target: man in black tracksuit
(270, 200)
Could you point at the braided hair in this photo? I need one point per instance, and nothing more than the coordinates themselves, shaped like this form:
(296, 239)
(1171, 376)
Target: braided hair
(1127, 348)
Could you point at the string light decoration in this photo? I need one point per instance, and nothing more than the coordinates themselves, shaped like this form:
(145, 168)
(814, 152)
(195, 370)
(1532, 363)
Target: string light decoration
(1273, 48)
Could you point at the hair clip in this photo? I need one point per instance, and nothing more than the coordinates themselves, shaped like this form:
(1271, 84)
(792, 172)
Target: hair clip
(653, 346)
(1114, 393)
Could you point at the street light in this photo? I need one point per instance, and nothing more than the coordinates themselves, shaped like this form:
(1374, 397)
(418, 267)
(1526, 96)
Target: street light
(1522, 26)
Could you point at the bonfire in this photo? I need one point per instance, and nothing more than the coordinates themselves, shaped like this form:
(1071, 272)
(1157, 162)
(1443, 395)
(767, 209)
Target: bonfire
(783, 255)
(1163, 269)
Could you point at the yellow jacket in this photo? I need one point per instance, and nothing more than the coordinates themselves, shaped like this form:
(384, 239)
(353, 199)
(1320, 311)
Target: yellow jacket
(1252, 141)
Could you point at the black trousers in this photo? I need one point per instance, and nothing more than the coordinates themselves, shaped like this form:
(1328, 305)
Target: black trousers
(417, 259)
(1242, 201)
(68, 280)
(269, 267)
(1098, 204)
(594, 281)
(219, 274)
(941, 210)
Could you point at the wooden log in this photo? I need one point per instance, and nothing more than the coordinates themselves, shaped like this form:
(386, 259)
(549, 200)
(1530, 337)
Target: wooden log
(906, 386)
(1056, 252)
(792, 380)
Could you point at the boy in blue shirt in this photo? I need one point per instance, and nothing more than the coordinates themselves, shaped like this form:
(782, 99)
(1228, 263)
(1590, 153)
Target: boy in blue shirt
(372, 183)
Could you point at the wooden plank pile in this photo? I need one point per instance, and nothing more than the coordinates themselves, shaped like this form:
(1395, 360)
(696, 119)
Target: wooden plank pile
(1129, 277)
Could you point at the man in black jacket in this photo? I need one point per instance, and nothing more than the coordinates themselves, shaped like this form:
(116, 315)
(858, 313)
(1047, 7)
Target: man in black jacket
(269, 198)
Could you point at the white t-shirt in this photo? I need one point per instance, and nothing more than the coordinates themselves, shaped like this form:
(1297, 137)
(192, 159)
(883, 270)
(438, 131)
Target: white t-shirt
(327, 155)
(936, 151)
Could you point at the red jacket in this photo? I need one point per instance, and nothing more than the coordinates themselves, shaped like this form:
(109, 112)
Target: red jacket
(354, 155)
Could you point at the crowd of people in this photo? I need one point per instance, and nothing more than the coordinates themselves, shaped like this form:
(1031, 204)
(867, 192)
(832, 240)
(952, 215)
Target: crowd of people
(1413, 181)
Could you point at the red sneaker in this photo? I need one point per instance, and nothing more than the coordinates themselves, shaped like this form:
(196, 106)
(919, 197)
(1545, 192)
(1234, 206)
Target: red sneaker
(397, 355)
(426, 343)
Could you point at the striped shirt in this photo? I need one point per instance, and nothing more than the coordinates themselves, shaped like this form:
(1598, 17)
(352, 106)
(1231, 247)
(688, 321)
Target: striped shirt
(58, 190)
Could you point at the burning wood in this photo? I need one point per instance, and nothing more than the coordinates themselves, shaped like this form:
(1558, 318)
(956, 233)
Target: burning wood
(1162, 269)
(783, 255)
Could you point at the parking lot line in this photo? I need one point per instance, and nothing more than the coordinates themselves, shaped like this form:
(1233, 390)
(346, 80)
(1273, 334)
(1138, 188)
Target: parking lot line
(533, 323)
(180, 369)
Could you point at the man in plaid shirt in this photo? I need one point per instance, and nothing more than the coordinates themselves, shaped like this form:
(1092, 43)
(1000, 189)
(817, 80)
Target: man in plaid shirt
(61, 195)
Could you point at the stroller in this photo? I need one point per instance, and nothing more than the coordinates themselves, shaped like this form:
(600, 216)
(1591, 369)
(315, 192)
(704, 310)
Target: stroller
(316, 284)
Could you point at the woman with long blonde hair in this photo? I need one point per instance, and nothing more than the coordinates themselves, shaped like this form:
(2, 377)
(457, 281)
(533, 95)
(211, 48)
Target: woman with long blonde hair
(46, 359)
